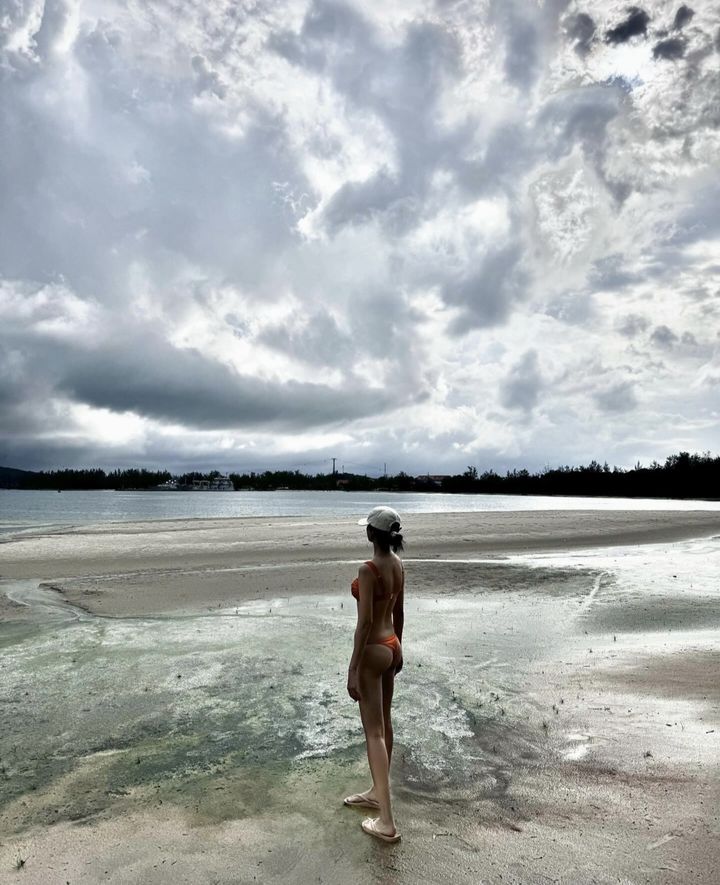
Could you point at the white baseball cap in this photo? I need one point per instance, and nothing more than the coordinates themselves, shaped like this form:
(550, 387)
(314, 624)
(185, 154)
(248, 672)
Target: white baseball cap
(382, 518)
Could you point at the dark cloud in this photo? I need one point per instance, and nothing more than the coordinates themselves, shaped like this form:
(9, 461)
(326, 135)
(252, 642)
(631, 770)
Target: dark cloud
(632, 324)
(528, 35)
(184, 386)
(401, 86)
(521, 61)
(317, 341)
(582, 117)
(31, 451)
(136, 183)
(489, 287)
(633, 26)
(663, 336)
(683, 16)
(698, 219)
(619, 397)
(523, 383)
(521, 42)
(508, 150)
(671, 48)
(26, 394)
(581, 29)
(136, 370)
(334, 38)
(381, 322)
(612, 273)
(357, 202)
(488, 293)
(573, 308)
(428, 57)
(401, 83)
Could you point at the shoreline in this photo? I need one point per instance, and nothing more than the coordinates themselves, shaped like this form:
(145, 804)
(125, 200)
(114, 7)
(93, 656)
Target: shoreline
(432, 492)
(164, 566)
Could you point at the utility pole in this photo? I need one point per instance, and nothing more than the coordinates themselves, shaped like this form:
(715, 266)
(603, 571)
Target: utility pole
(385, 468)
(334, 460)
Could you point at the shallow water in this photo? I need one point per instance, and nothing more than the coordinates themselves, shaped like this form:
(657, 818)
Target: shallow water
(22, 510)
(93, 710)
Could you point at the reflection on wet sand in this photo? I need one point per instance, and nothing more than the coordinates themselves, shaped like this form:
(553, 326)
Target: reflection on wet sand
(549, 708)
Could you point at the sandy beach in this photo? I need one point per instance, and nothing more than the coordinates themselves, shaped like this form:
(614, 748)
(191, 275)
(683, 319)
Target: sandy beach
(173, 708)
(130, 569)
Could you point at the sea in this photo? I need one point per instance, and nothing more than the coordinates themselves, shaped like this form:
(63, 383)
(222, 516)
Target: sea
(28, 510)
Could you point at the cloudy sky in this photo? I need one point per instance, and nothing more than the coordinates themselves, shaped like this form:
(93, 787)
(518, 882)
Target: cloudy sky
(260, 233)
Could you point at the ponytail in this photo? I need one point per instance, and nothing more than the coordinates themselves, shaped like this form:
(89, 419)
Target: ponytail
(393, 538)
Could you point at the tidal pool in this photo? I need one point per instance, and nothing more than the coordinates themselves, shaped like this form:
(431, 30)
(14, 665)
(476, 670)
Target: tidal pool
(262, 684)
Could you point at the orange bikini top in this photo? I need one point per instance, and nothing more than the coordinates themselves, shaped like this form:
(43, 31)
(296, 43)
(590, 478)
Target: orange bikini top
(380, 586)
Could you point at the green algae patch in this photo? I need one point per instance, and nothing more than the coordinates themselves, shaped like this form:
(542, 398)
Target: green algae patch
(222, 715)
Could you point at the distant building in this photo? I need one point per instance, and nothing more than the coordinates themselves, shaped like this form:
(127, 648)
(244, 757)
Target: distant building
(432, 479)
(221, 483)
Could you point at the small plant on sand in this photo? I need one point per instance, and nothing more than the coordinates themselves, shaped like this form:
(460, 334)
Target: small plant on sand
(20, 862)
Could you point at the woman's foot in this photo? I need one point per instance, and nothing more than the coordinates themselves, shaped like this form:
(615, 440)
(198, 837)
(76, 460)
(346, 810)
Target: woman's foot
(366, 799)
(373, 826)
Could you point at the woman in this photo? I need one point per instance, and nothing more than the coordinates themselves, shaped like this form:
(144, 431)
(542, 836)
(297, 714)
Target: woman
(376, 659)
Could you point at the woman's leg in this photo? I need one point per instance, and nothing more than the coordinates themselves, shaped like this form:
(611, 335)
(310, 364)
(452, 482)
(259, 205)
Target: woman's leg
(375, 661)
(388, 684)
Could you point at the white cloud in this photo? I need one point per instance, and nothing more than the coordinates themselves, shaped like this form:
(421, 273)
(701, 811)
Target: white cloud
(475, 230)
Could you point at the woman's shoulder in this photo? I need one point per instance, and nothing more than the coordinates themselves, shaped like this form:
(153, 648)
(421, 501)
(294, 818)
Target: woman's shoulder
(366, 570)
(397, 562)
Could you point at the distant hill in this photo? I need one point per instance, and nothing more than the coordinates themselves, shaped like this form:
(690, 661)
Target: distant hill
(11, 477)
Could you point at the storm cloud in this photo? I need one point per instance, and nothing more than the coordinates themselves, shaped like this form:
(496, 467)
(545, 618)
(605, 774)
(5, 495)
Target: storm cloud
(276, 233)
(634, 25)
(673, 47)
(521, 388)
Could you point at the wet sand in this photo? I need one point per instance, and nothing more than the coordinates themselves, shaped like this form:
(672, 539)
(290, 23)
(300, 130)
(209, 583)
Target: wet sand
(172, 703)
(127, 569)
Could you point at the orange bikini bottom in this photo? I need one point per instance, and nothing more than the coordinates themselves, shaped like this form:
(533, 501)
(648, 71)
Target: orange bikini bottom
(393, 643)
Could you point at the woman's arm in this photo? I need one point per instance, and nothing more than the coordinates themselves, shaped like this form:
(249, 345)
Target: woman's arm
(362, 630)
(399, 617)
(399, 609)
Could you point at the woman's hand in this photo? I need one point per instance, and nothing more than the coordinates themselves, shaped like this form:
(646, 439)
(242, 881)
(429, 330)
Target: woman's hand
(352, 685)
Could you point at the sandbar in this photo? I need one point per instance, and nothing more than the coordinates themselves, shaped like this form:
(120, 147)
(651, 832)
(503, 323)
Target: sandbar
(132, 569)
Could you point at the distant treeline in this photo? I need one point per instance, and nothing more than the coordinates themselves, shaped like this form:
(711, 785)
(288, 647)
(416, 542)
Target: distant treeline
(93, 478)
(680, 476)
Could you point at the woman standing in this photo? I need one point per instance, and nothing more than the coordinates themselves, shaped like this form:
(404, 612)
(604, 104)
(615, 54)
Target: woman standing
(376, 659)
